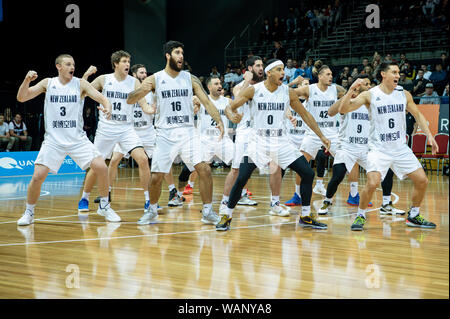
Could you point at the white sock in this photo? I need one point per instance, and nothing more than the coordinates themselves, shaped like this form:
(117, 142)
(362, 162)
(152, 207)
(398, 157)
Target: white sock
(154, 207)
(386, 199)
(328, 200)
(30, 207)
(229, 212)
(306, 211)
(207, 208)
(353, 189)
(103, 202)
(297, 190)
(147, 196)
(244, 191)
(172, 186)
(110, 188)
(414, 212)
(319, 182)
(85, 195)
(362, 212)
(191, 184)
(225, 199)
(274, 199)
(180, 193)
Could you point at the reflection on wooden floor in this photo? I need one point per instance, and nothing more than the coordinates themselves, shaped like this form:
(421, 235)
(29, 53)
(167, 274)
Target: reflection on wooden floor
(64, 255)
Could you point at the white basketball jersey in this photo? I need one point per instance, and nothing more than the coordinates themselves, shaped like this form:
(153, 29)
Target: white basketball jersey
(63, 112)
(207, 123)
(142, 120)
(387, 119)
(300, 129)
(354, 130)
(174, 106)
(117, 93)
(268, 110)
(245, 124)
(318, 104)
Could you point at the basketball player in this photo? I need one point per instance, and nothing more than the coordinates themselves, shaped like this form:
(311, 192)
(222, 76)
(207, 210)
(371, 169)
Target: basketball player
(116, 87)
(253, 75)
(64, 134)
(175, 131)
(268, 140)
(352, 152)
(387, 103)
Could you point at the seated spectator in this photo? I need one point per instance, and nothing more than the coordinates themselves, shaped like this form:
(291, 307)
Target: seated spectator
(405, 82)
(409, 71)
(343, 75)
(428, 9)
(444, 98)
(238, 76)
(402, 60)
(411, 126)
(291, 21)
(368, 70)
(388, 58)
(344, 84)
(426, 73)
(365, 62)
(355, 73)
(214, 72)
(444, 61)
(301, 71)
(439, 78)
(18, 130)
(277, 30)
(350, 80)
(5, 138)
(430, 96)
(229, 75)
(266, 31)
(313, 20)
(289, 72)
(8, 115)
(278, 51)
(294, 64)
(419, 83)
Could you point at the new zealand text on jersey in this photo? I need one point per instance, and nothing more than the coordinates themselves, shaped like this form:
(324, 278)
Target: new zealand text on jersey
(174, 93)
(63, 98)
(390, 108)
(323, 103)
(270, 106)
(116, 95)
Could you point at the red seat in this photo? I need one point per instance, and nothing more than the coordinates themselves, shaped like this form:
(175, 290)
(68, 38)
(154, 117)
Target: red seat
(442, 142)
(419, 147)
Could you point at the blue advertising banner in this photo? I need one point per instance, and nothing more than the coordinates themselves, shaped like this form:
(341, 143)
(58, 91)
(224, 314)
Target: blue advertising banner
(22, 164)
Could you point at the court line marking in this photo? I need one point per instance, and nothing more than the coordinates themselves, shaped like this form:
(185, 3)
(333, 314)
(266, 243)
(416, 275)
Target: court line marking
(173, 233)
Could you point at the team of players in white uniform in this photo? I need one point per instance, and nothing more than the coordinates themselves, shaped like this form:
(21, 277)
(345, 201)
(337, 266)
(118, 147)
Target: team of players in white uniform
(372, 132)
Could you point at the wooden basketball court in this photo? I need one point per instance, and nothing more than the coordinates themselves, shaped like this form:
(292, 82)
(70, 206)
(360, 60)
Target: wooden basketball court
(66, 255)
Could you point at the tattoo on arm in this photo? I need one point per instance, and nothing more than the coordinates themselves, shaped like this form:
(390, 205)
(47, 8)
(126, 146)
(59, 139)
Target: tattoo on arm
(197, 81)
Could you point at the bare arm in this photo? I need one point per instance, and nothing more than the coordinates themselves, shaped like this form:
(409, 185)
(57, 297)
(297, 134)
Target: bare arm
(147, 86)
(340, 91)
(421, 121)
(26, 92)
(149, 109)
(348, 104)
(88, 90)
(334, 109)
(298, 107)
(92, 69)
(248, 76)
(302, 91)
(208, 105)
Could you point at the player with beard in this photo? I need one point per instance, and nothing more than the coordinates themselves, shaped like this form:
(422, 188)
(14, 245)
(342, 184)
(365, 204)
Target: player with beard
(269, 102)
(175, 131)
(253, 75)
(64, 134)
(116, 87)
(387, 104)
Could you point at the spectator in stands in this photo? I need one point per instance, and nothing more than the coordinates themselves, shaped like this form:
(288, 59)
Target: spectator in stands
(405, 82)
(277, 30)
(419, 83)
(411, 126)
(89, 123)
(355, 72)
(444, 62)
(266, 32)
(350, 80)
(365, 62)
(214, 72)
(278, 51)
(295, 63)
(291, 21)
(343, 75)
(444, 98)
(428, 9)
(409, 71)
(375, 66)
(426, 73)
(402, 60)
(313, 20)
(187, 67)
(5, 138)
(289, 72)
(439, 78)
(388, 58)
(238, 76)
(8, 115)
(18, 130)
(344, 84)
(430, 96)
(301, 71)
(225, 85)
